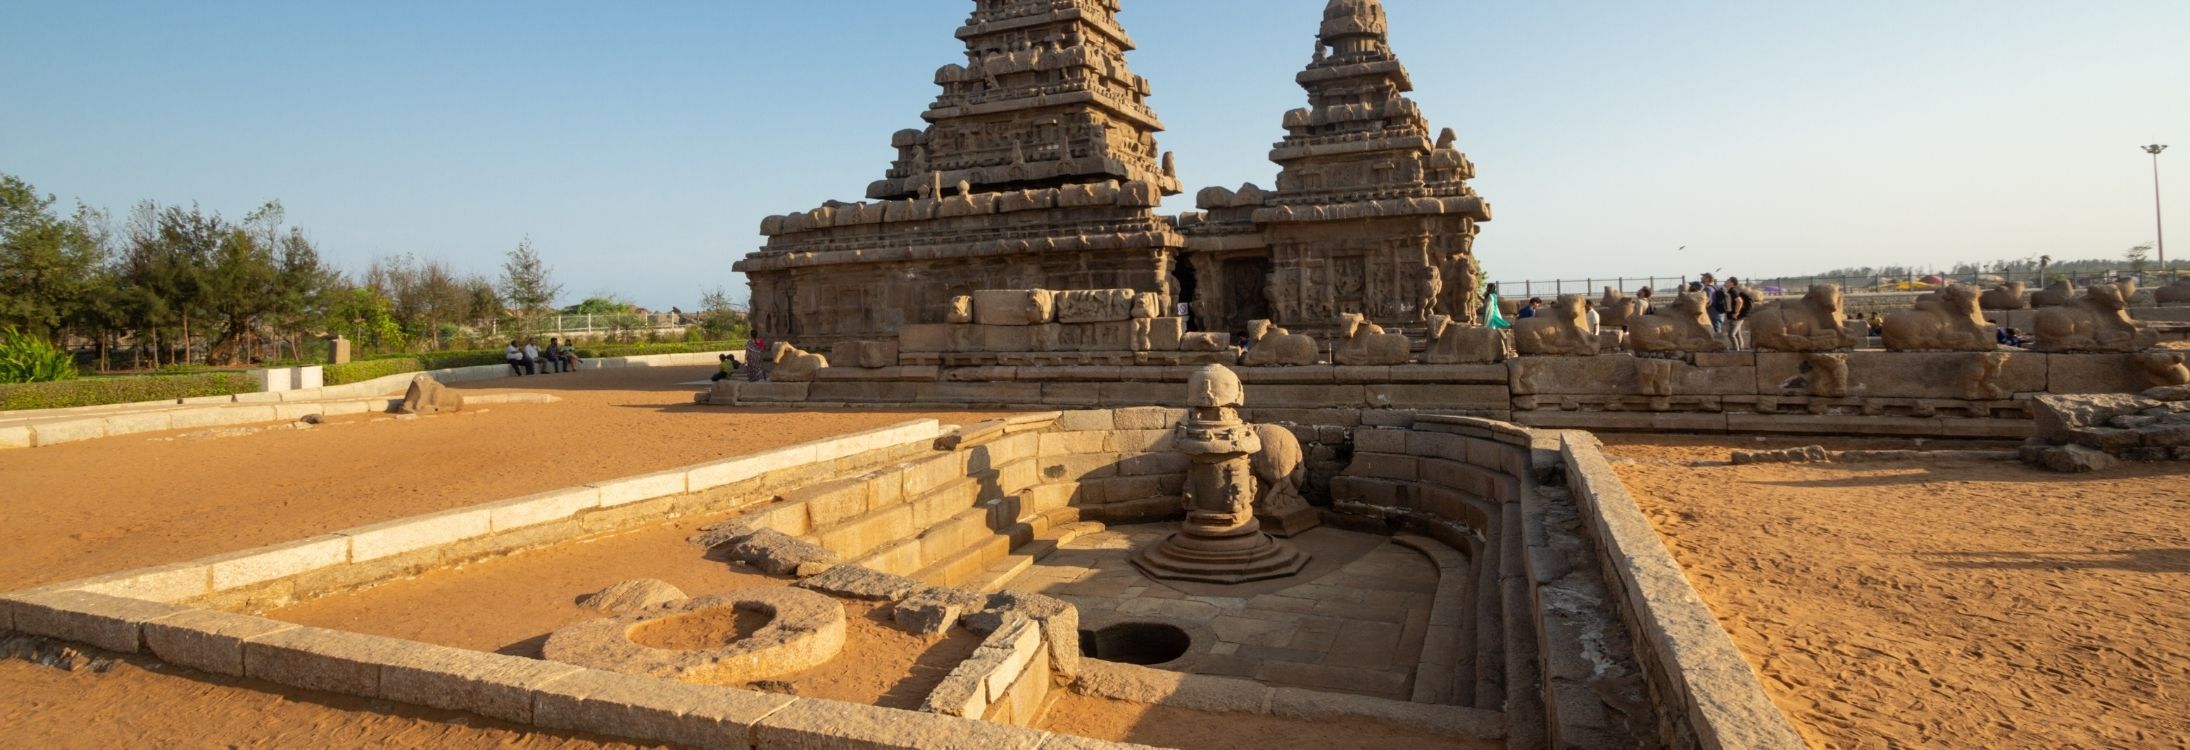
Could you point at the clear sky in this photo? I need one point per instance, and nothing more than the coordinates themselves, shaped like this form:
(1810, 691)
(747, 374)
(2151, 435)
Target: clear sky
(639, 144)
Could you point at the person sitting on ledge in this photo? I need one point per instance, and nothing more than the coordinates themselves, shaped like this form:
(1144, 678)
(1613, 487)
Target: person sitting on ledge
(729, 367)
(570, 357)
(2012, 337)
(1529, 310)
(531, 355)
(552, 361)
(1643, 295)
(1878, 324)
(518, 365)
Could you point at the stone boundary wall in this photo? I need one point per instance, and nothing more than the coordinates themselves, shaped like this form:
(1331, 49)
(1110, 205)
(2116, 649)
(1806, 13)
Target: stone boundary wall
(114, 420)
(1912, 394)
(43, 434)
(1007, 680)
(1691, 663)
(1128, 682)
(279, 574)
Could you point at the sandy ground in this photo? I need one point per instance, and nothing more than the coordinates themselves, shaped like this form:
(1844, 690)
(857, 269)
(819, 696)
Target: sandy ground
(1939, 604)
(1165, 726)
(100, 506)
(510, 605)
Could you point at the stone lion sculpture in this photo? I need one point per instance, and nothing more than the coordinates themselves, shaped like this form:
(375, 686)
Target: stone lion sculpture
(1682, 326)
(427, 396)
(2008, 296)
(792, 364)
(1813, 323)
(2054, 295)
(2172, 293)
(2096, 322)
(1945, 320)
(1280, 470)
(1361, 342)
(1559, 331)
(1270, 345)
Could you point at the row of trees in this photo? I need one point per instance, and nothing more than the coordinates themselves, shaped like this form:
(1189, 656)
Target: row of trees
(175, 285)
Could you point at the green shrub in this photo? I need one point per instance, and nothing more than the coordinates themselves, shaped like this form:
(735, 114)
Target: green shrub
(673, 347)
(30, 359)
(359, 371)
(122, 390)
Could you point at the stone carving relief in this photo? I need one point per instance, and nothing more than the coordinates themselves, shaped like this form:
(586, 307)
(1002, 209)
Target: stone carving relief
(1426, 293)
(1655, 377)
(2008, 296)
(792, 364)
(1269, 345)
(961, 309)
(427, 396)
(1828, 375)
(1095, 305)
(1463, 293)
(1682, 326)
(1813, 323)
(1221, 540)
(1562, 330)
(2096, 322)
(1980, 375)
(2165, 368)
(1945, 320)
(1361, 342)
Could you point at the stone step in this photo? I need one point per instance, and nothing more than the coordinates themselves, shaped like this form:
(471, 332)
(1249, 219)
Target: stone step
(1065, 529)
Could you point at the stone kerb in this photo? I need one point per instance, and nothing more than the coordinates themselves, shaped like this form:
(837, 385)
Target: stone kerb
(1128, 682)
(1006, 679)
(1694, 668)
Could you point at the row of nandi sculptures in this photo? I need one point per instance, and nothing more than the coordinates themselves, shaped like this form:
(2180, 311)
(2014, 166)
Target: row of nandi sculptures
(1950, 319)
(2014, 295)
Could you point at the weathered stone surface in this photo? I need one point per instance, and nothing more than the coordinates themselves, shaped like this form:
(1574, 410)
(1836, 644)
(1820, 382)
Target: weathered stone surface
(773, 551)
(2059, 417)
(803, 630)
(491, 685)
(655, 710)
(1361, 342)
(1619, 374)
(428, 396)
(792, 364)
(1095, 305)
(1269, 345)
(811, 724)
(207, 640)
(855, 582)
(1559, 331)
(109, 622)
(626, 597)
(1813, 323)
(1681, 325)
(2096, 322)
(1013, 307)
(2067, 459)
(1945, 375)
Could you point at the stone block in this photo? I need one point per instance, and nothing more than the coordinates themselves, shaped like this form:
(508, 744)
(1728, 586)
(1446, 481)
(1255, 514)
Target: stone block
(863, 393)
(1623, 375)
(1143, 393)
(655, 710)
(1147, 418)
(322, 659)
(1094, 305)
(1305, 396)
(1071, 443)
(165, 583)
(130, 424)
(207, 640)
(491, 685)
(16, 437)
(109, 622)
(1013, 307)
(1460, 345)
(278, 561)
(769, 393)
(928, 337)
(1137, 441)
(545, 507)
(2095, 373)
(817, 724)
(986, 394)
(861, 535)
(1380, 441)
(629, 490)
(1461, 374)
(1405, 396)
(1879, 374)
(416, 533)
(1159, 334)
(71, 431)
(1085, 420)
(1294, 375)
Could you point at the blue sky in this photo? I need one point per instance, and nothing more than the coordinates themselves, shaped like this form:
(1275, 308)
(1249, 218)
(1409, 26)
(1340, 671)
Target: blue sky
(639, 144)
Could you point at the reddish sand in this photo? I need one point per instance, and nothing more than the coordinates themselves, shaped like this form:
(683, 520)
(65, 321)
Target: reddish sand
(512, 604)
(1954, 603)
(1164, 726)
(101, 506)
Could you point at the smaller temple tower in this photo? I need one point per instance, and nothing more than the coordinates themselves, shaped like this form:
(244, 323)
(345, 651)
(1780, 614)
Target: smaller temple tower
(1371, 215)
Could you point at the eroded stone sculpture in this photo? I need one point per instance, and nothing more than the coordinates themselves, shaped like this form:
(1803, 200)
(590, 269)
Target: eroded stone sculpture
(1451, 343)
(2165, 368)
(1613, 309)
(1813, 323)
(1361, 342)
(2096, 322)
(1280, 470)
(960, 311)
(1945, 320)
(2008, 296)
(1828, 374)
(1269, 345)
(792, 364)
(2172, 293)
(1220, 541)
(428, 396)
(1980, 376)
(1559, 331)
(1681, 326)
(2054, 295)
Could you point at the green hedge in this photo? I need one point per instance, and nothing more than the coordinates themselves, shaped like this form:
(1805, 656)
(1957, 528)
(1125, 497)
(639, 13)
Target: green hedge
(396, 364)
(122, 390)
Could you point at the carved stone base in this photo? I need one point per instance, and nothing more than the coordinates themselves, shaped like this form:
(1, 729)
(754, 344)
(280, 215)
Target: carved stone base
(1237, 555)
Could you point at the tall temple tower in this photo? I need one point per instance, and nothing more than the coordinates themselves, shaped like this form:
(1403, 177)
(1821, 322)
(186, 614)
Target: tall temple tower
(1038, 169)
(1370, 215)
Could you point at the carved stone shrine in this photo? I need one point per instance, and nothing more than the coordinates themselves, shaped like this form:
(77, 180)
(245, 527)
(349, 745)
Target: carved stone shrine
(1220, 541)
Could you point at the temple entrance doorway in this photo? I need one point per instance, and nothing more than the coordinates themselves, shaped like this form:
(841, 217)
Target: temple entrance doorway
(1245, 291)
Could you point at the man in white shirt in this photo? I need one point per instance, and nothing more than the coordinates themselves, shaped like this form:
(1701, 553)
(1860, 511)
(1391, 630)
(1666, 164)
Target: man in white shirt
(515, 358)
(532, 357)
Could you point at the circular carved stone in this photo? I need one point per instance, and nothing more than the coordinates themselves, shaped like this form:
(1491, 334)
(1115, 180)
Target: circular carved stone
(801, 629)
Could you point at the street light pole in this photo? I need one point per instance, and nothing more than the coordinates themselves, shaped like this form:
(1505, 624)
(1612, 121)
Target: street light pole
(2159, 223)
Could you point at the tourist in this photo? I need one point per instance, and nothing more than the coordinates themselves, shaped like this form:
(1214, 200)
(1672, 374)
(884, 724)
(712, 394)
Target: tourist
(756, 354)
(1714, 302)
(553, 362)
(1877, 324)
(728, 366)
(1594, 320)
(1739, 303)
(2012, 337)
(1529, 310)
(570, 357)
(1643, 295)
(1185, 313)
(518, 365)
(1493, 316)
(532, 357)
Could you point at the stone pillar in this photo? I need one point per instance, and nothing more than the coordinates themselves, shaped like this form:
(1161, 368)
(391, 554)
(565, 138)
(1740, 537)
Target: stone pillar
(1220, 541)
(338, 351)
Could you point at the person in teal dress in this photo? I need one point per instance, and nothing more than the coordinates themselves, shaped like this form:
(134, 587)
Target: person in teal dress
(1492, 315)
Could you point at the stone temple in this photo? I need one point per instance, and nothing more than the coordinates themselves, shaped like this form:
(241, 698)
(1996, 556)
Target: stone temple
(1039, 169)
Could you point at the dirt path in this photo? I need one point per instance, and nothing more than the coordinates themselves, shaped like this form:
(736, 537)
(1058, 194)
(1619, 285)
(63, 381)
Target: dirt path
(101, 506)
(1940, 604)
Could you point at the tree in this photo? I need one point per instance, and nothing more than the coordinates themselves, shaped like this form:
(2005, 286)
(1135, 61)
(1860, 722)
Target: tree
(2138, 256)
(47, 264)
(526, 283)
(721, 319)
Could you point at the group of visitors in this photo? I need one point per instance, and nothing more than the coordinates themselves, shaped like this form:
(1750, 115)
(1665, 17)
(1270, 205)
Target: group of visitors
(1729, 307)
(526, 358)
